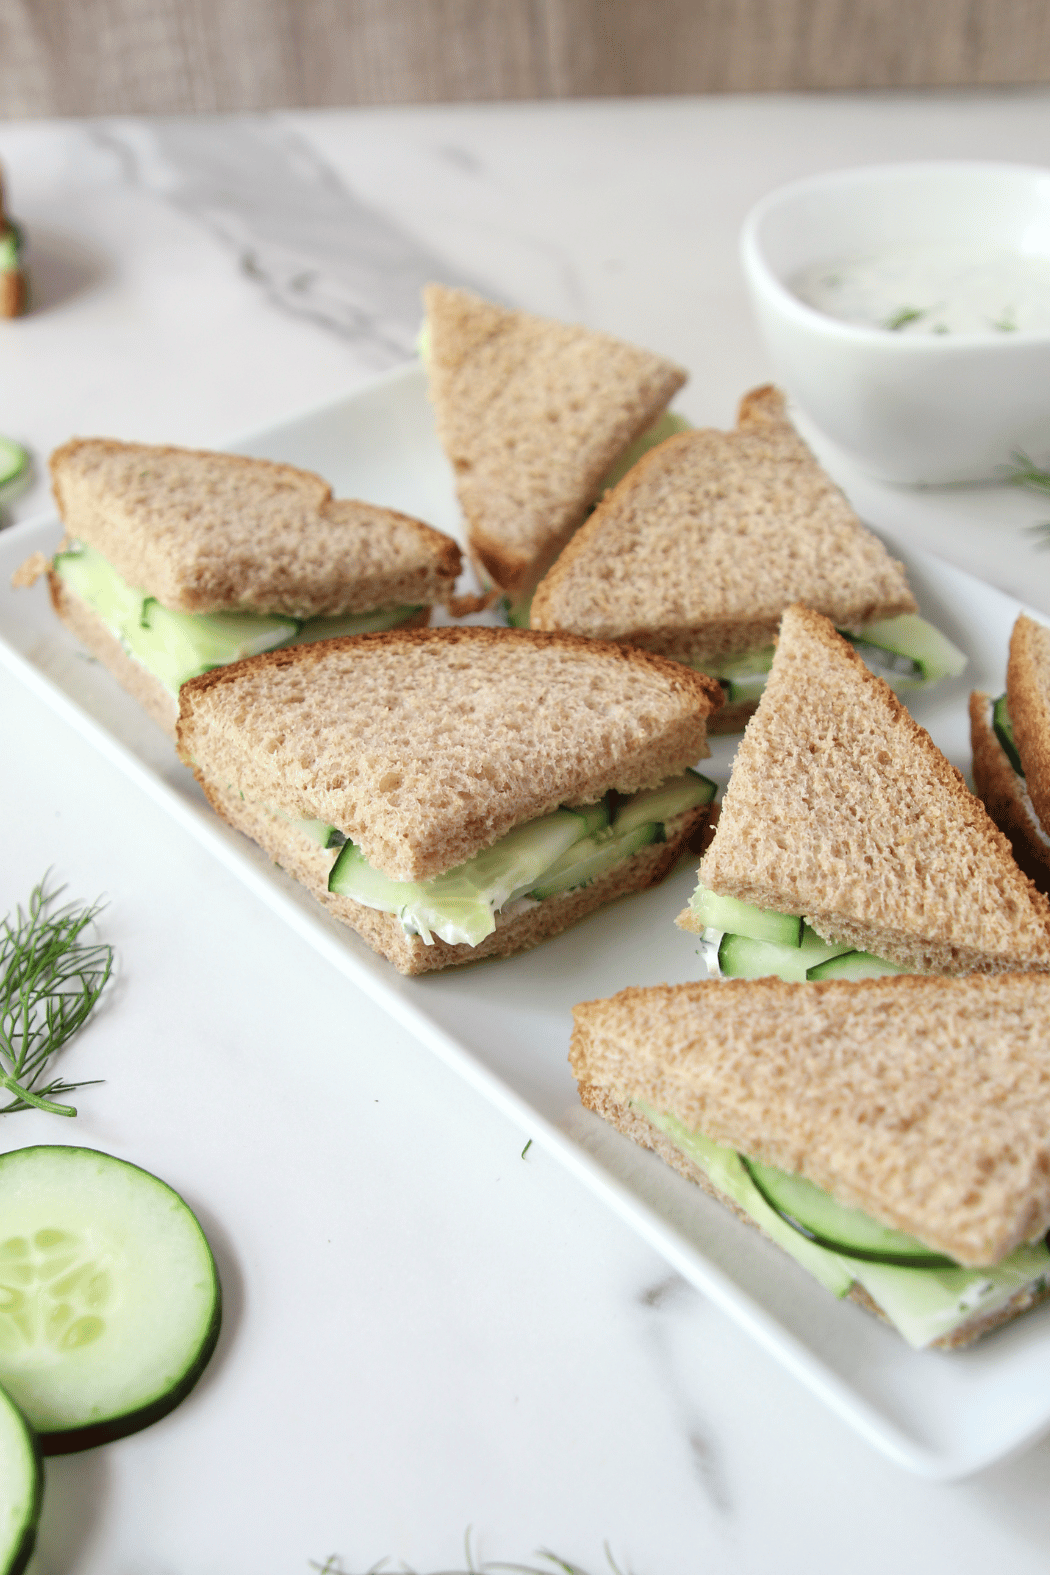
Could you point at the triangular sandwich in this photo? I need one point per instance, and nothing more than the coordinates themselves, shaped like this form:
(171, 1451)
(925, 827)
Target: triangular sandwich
(842, 813)
(703, 543)
(533, 414)
(1011, 749)
(177, 560)
(893, 1136)
(456, 793)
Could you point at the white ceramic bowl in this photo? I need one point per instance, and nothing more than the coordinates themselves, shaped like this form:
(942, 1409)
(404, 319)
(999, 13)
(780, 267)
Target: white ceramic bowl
(907, 407)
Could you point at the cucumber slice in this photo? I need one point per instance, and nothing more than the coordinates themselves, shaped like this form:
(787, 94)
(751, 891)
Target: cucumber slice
(21, 1488)
(665, 802)
(176, 646)
(109, 1299)
(854, 965)
(586, 860)
(15, 468)
(907, 650)
(1004, 732)
(460, 906)
(741, 918)
(596, 817)
(10, 248)
(740, 957)
(849, 1232)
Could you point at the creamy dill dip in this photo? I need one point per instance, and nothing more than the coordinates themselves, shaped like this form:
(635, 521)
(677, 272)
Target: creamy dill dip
(933, 290)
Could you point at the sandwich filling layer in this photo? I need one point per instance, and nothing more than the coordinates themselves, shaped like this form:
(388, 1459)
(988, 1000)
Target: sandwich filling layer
(542, 858)
(909, 653)
(924, 1304)
(998, 718)
(741, 941)
(176, 646)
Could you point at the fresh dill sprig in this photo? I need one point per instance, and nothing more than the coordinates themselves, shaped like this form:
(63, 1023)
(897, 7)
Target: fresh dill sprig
(50, 980)
(553, 1563)
(1024, 472)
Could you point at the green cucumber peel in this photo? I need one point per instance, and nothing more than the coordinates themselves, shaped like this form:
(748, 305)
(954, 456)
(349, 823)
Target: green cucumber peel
(740, 957)
(1003, 728)
(21, 1487)
(898, 1251)
(854, 965)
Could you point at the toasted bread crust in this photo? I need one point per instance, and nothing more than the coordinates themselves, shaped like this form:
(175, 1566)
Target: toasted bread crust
(208, 532)
(383, 932)
(635, 1126)
(841, 808)
(1002, 792)
(703, 543)
(427, 747)
(1028, 691)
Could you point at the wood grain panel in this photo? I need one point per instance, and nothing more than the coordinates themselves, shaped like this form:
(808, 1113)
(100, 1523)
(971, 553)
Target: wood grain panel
(89, 57)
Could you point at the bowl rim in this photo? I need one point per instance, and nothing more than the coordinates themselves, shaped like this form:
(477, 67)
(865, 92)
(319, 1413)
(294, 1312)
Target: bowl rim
(762, 278)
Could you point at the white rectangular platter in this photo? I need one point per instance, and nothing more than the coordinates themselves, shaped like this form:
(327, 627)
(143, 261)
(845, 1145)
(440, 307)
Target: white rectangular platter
(504, 1026)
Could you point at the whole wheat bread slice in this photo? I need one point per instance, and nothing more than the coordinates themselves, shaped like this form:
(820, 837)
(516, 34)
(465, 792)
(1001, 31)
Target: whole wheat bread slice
(841, 808)
(426, 747)
(1028, 697)
(924, 1102)
(1004, 795)
(701, 546)
(532, 415)
(208, 532)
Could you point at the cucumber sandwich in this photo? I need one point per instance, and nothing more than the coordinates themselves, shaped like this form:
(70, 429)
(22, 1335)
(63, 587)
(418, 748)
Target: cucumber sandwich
(698, 550)
(892, 1136)
(847, 845)
(177, 561)
(1010, 737)
(461, 793)
(533, 415)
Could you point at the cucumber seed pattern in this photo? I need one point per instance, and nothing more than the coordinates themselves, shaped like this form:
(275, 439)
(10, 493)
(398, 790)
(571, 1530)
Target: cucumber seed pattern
(54, 1290)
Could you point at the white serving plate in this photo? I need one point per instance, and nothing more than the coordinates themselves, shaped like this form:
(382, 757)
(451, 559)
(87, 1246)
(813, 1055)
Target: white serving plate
(504, 1025)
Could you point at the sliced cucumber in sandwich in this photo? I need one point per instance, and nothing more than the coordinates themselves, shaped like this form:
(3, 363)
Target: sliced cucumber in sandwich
(21, 1488)
(460, 906)
(539, 859)
(176, 646)
(907, 651)
(740, 957)
(743, 918)
(855, 965)
(817, 1216)
(1004, 732)
(109, 1297)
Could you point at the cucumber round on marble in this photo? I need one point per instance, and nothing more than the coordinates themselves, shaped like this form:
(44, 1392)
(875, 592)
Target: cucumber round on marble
(109, 1298)
(21, 1488)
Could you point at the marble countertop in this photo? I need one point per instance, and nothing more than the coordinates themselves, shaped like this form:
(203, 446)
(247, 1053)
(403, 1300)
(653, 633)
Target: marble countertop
(469, 1339)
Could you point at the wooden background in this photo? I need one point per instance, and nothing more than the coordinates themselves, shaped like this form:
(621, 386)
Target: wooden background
(93, 57)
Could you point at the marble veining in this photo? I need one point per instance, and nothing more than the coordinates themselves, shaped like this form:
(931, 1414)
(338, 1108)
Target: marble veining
(317, 250)
(665, 1296)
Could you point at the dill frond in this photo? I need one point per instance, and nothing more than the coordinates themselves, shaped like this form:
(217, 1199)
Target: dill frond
(50, 980)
